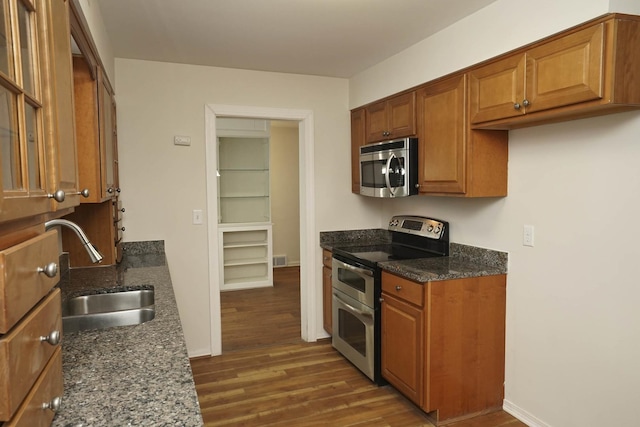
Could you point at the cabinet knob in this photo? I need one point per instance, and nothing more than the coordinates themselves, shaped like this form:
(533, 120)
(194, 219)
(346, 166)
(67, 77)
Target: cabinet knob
(398, 288)
(381, 299)
(122, 228)
(122, 210)
(84, 193)
(49, 270)
(516, 106)
(54, 405)
(118, 190)
(525, 103)
(53, 338)
(110, 190)
(58, 196)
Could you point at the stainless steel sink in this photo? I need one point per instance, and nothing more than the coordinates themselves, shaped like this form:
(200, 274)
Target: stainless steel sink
(100, 311)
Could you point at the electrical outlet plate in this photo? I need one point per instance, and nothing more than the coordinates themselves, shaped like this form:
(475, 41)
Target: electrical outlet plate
(527, 235)
(197, 216)
(181, 140)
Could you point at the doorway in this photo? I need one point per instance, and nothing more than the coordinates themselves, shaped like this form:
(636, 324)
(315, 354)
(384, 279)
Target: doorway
(306, 206)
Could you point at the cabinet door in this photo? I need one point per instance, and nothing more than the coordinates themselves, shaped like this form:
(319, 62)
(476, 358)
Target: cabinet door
(441, 136)
(376, 120)
(402, 347)
(401, 112)
(326, 300)
(357, 141)
(22, 111)
(497, 89)
(107, 134)
(566, 71)
(59, 121)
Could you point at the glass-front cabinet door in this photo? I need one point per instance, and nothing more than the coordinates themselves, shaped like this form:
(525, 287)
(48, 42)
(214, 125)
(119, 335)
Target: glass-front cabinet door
(21, 113)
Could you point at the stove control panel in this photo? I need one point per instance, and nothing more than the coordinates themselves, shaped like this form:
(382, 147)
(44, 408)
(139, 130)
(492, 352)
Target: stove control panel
(418, 225)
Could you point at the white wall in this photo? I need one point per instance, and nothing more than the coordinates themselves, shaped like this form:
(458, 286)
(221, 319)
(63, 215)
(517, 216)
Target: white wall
(93, 16)
(163, 183)
(573, 327)
(285, 202)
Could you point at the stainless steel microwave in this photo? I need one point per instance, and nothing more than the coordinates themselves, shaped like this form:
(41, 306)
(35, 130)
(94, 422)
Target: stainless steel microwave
(390, 168)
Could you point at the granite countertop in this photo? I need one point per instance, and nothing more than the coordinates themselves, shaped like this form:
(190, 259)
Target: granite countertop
(463, 261)
(132, 375)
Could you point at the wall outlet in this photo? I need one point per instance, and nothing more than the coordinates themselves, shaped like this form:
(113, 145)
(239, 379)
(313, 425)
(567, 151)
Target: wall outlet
(181, 140)
(527, 235)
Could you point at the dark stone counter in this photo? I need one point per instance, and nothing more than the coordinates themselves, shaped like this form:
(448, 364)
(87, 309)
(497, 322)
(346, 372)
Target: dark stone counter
(131, 375)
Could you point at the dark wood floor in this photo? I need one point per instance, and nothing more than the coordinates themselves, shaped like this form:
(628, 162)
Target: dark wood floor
(263, 316)
(286, 382)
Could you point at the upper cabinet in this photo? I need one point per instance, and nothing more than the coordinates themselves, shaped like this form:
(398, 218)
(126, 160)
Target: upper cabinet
(589, 70)
(453, 159)
(23, 109)
(358, 130)
(390, 118)
(62, 169)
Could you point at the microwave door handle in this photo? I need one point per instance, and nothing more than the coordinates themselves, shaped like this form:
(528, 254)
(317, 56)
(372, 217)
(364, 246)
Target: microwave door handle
(386, 175)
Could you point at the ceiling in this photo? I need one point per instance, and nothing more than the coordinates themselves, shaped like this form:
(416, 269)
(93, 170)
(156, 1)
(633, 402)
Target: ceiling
(335, 38)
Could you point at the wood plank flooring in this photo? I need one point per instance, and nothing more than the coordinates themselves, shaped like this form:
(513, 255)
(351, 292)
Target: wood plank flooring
(263, 316)
(281, 381)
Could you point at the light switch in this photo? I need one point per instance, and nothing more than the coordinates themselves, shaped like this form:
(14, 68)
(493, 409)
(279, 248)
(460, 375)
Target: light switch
(197, 216)
(527, 235)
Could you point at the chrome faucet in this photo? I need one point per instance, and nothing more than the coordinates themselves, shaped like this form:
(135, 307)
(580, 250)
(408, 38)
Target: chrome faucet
(91, 250)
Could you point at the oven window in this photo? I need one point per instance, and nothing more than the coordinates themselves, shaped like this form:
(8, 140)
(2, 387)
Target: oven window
(374, 171)
(352, 279)
(352, 331)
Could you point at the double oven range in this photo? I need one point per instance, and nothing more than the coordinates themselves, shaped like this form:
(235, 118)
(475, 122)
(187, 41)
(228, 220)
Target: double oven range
(356, 283)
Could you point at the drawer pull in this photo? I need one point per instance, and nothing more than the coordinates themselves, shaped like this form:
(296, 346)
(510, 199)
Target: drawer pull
(49, 270)
(54, 405)
(398, 288)
(53, 338)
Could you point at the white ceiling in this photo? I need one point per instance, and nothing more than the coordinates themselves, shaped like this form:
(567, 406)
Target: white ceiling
(336, 38)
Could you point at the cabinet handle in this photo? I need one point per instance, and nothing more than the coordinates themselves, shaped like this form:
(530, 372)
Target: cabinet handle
(84, 193)
(122, 229)
(49, 270)
(122, 210)
(53, 338)
(58, 196)
(398, 288)
(516, 106)
(381, 299)
(110, 190)
(118, 190)
(54, 405)
(525, 103)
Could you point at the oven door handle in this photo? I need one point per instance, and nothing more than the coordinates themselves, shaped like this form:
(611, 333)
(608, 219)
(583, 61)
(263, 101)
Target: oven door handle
(352, 308)
(356, 269)
(392, 191)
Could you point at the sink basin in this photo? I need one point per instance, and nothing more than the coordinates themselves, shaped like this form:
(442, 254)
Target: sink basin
(102, 311)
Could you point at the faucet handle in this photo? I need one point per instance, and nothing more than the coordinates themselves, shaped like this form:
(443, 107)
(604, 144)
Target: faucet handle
(58, 196)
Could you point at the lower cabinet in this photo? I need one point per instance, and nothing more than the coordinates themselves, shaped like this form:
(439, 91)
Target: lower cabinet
(327, 296)
(443, 343)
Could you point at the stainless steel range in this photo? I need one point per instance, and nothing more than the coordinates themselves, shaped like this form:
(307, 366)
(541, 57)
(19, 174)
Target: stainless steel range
(356, 285)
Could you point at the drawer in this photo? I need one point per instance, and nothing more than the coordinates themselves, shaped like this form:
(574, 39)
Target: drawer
(23, 353)
(22, 280)
(46, 391)
(326, 258)
(407, 290)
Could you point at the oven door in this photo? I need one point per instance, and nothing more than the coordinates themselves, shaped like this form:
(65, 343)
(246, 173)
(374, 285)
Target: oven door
(353, 332)
(357, 281)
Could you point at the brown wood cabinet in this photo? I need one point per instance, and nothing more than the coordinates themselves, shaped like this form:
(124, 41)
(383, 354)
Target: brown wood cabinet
(453, 159)
(327, 294)
(591, 69)
(402, 336)
(447, 353)
(358, 130)
(390, 118)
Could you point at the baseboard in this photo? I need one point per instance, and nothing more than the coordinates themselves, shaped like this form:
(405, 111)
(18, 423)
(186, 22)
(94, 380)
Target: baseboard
(202, 352)
(522, 415)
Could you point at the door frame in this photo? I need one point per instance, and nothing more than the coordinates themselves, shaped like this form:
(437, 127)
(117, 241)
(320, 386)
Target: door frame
(307, 212)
